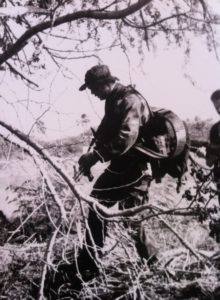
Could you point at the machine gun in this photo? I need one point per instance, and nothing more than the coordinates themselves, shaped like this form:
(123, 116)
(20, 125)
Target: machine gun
(88, 173)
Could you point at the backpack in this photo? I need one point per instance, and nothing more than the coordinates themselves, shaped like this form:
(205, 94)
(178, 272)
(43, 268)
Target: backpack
(165, 141)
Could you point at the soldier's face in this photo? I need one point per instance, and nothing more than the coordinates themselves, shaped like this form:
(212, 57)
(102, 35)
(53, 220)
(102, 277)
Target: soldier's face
(100, 91)
(216, 103)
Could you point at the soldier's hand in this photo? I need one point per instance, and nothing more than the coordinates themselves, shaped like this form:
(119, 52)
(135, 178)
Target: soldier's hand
(86, 161)
(201, 152)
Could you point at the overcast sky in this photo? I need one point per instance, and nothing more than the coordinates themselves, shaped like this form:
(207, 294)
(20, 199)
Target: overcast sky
(167, 78)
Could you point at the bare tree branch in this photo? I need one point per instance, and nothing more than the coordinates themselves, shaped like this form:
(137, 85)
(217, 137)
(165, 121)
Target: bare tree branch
(181, 239)
(79, 194)
(50, 187)
(159, 22)
(22, 10)
(18, 73)
(48, 262)
(88, 14)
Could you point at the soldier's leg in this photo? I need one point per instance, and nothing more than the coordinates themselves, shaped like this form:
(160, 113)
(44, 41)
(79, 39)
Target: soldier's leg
(145, 244)
(96, 227)
(94, 239)
(144, 241)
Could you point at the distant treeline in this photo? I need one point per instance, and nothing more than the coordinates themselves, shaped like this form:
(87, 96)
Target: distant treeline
(59, 147)
(198, 131)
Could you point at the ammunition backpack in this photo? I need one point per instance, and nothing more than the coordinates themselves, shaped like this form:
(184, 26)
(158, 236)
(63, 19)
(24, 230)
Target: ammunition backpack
(165, 140)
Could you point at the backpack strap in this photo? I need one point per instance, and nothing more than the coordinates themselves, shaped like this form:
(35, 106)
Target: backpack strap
(176, 125)
(149, 152)
(151, 113)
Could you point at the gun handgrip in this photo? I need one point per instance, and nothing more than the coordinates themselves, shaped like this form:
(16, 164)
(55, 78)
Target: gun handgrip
(90, 176)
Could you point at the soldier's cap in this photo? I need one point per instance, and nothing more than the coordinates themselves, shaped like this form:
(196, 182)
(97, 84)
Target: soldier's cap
(215, 96)
(97, 74)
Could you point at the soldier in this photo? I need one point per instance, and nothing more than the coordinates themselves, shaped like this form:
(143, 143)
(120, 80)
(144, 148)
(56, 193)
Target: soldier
(126, 180)
(212, 152)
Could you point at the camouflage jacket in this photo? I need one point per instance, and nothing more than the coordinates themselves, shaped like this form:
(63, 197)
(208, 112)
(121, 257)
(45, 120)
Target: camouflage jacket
(213, 149)
(125, 114)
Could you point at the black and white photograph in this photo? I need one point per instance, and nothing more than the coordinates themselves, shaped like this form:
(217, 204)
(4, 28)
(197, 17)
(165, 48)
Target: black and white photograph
(110, 150)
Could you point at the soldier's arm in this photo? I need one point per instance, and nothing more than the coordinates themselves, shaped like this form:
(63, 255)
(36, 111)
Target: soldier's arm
(214, 148)
(212, 154)
(128, 132)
